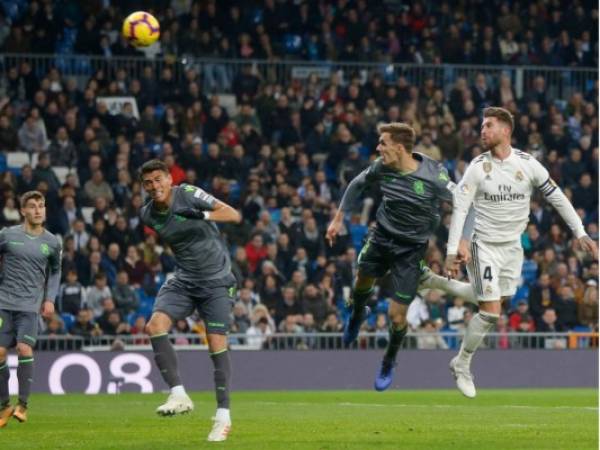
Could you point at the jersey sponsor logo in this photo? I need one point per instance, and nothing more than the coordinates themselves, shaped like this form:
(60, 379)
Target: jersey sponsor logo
(45, 249)
(16, 242)
(419, 187)
(487, 167)
(188, 188)
(504, 194)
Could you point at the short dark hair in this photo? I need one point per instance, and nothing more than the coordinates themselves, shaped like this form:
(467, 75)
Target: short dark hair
(502, 114)
(36, 195)
(152, 165)
(401, 133)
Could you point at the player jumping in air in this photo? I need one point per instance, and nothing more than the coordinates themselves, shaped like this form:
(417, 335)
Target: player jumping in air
(499, 184)
(183, 217)
(31, 262)
(412, 186)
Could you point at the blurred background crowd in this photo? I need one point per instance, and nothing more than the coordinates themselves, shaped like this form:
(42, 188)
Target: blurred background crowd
(283, 153)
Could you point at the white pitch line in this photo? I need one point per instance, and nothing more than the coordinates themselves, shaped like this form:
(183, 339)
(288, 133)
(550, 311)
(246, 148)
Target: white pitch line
(404, 405)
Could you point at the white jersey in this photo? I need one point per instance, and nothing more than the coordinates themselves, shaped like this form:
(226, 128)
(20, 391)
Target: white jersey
(500, 191)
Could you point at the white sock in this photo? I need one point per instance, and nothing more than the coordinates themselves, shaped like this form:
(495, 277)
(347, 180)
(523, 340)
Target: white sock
(453, 287)
(478, 327)
(178, 390)
(222, 415)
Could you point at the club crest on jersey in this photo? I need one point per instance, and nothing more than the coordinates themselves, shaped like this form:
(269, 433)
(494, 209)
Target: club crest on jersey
(488, 290)
(45, 249)
(519, 176)
(419, 187)
(487, 167)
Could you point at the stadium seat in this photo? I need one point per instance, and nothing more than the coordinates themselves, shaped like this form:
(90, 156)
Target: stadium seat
(16, 160)
(87, 212)
(68, 320)
(358, 233)
(61, 173)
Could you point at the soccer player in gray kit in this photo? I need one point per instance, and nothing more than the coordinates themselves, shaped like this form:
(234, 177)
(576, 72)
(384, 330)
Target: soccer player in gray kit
(29, 281)
(183, 216)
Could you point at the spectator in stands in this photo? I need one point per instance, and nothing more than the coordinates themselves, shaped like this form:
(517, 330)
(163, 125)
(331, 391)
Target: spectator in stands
(429, 337)
(521, 321)
(587, 308)
(97, 293)
(32, 136)
(72, 296)
(125, 297)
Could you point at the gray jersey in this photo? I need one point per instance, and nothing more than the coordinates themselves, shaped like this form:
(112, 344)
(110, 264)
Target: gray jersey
(410, 206)
(30, 269)
(200, 252)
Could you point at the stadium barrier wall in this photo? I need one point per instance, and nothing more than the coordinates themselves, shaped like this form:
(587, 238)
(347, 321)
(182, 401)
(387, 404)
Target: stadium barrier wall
(114, 372)
(561, 82)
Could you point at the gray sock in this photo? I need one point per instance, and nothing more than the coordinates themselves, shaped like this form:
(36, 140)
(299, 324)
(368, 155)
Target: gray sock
(4, 376)
(25, 377)
(222, 365)
(166, 359)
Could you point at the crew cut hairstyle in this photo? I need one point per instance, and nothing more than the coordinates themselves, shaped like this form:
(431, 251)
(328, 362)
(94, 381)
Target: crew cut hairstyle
(36, 195)
(503, 115)
(151, 166)
(400, 133)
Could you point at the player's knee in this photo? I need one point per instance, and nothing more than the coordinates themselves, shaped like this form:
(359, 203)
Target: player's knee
(24, 349)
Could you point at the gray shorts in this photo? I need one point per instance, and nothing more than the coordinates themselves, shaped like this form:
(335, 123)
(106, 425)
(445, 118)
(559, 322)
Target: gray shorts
(213, 301)
(18, 327)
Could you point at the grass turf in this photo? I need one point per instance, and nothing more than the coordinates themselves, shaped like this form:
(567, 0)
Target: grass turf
(440, 419)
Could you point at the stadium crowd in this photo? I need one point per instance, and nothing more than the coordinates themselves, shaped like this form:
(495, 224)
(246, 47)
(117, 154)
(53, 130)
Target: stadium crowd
(551, 33)
(287, 153)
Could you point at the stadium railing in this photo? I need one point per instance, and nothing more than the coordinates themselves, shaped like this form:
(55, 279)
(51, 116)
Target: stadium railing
(326, 341)
(560, 81)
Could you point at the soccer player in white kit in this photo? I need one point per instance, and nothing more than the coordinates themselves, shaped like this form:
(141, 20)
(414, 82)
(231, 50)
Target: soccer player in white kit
(499, 184)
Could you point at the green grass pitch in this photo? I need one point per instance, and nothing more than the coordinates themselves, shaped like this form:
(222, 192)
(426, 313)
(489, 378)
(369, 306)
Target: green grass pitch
(436, 419)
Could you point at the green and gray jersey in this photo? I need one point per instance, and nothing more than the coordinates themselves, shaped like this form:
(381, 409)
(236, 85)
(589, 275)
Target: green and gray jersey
(410, 207)
(200, 252)
(30, 269)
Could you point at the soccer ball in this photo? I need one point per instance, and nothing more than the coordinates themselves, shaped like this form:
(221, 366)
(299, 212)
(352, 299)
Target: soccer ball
(141, 29)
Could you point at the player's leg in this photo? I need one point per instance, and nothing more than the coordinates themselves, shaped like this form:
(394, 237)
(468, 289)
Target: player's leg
(215, 308)
(25, 377)
(372, 264)
(362, 290)
(431, 280)
(171, 304)
(7, 340)
(405, 274)
(484, 273)
(26, 328)
(397, 331)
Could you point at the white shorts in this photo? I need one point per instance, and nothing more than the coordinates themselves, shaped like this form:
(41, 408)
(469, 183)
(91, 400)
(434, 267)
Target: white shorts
(495, 269)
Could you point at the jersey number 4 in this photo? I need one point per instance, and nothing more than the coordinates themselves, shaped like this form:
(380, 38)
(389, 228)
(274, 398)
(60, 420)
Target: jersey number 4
(487, 273)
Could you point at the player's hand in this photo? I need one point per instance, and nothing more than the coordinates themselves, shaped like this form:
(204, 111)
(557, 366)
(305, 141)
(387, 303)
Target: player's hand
(47, 309)
(589, 245)
(334, 229)
(452, 266)
(463, 254)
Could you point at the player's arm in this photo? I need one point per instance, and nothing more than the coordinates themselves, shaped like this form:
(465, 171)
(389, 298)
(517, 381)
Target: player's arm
(351, 195)
(462, 199)
(54, 267)
(559, 201)
(446, 193)
(207, 207)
